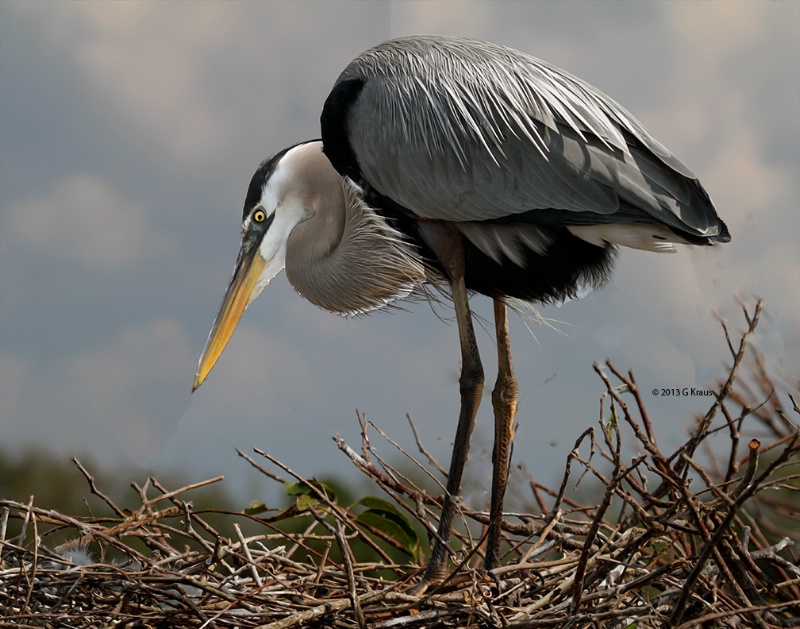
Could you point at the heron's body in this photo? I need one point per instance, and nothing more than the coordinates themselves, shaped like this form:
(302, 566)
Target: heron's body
(465, 163)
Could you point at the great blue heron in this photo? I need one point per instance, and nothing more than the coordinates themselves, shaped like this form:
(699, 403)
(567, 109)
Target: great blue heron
(475, 167)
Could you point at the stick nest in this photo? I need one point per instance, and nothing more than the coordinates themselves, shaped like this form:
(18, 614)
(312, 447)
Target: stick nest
(701, 537)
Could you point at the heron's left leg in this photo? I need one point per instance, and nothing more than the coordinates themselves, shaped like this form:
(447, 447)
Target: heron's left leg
(504, 401)
(447, 244)
(471, 386)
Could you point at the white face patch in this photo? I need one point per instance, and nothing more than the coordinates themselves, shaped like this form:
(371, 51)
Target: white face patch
(273, 247)
(279, 198)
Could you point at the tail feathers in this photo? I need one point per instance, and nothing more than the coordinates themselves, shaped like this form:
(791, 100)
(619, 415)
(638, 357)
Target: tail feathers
(644, 236)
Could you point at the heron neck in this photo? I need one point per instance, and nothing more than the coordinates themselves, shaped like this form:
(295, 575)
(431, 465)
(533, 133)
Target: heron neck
(346, 258)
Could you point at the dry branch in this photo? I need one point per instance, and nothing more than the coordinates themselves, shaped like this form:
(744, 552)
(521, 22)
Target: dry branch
(696, 538)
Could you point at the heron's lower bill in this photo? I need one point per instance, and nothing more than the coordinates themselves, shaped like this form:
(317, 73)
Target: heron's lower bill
(245, 278)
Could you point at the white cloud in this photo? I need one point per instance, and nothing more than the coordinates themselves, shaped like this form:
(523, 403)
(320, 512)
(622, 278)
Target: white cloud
(146, 61)
(148, 58)
(193, 84)
(440, 17)
(736, 26)
(742, 179)
(83, 220)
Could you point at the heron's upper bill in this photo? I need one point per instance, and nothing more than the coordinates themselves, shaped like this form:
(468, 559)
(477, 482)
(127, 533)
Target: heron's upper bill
(243, 284)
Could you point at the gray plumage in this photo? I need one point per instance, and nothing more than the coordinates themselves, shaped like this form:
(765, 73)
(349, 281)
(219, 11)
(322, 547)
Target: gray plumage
(474, 167)
(345, 258)
(460, 130)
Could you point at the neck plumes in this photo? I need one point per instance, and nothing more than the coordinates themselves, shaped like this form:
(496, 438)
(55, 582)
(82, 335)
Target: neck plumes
(346, 257)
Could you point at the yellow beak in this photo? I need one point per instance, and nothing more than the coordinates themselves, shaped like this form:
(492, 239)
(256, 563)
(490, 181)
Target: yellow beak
(240, 293)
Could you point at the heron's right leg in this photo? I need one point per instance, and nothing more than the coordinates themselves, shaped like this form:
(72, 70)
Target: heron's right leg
(471, 385)
(504, 401)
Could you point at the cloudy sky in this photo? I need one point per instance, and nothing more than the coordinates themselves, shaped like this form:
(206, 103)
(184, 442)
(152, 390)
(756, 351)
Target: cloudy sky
(129, 133)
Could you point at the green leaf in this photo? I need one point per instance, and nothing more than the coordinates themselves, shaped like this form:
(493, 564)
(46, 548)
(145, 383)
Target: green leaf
(612, 425)
(389, 520)
(312, 488)
(295, 489)
(304, 502)
(256, 507)
(292, 511)
(373, 502)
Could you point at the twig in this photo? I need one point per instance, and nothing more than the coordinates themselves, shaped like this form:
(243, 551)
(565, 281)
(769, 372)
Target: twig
(94, 489)
(582, 564)
(431, 460)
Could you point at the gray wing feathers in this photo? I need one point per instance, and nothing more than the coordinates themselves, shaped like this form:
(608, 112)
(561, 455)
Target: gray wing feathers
(488, 132)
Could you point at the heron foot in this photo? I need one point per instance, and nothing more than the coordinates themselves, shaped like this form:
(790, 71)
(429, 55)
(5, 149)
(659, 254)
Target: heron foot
(427, 583)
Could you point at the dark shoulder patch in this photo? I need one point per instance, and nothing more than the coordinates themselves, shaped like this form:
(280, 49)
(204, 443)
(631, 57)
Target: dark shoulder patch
(333, 121)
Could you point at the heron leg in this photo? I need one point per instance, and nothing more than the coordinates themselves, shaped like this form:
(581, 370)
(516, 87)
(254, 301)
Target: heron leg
(471, 385)
(504, 402)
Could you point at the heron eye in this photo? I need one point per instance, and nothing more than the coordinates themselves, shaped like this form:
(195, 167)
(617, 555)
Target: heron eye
(259, 216)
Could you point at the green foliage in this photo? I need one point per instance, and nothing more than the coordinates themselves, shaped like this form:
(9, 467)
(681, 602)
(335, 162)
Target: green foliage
(384, 531)
(386, 518)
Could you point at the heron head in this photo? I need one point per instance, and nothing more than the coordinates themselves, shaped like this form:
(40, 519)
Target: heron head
(280, 197)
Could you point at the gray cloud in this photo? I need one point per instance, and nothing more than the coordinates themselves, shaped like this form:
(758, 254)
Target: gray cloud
(129, 133)
(84, 221)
